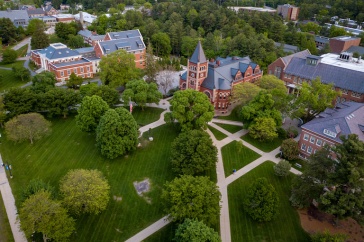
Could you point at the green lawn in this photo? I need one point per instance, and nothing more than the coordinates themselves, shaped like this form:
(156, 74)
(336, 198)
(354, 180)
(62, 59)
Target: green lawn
(230, 128)
(234, 116)
(22, 51)
(5, 230)
(266, 146)
(68, 148)
(8, 80)
(218, 135)
(16, 63)
(164, 234)
(284, 227)
(235, 159)
(149, 115)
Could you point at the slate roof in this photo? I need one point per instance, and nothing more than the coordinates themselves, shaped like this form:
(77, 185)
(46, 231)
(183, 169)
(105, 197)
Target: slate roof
(15, 15)
(358, 49)
(71, 63)
(125, 34)
(301, 54)
(322, 39)
(35, 11)
(340, 77)
(184, 76)
(223, 76)
(86, 33)
(113, 45)
(85, 50)
(347, 118)
(198, 55)
(287, 48)
(54, 53)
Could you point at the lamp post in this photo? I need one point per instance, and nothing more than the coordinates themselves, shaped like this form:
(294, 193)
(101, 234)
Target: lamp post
(11, 175)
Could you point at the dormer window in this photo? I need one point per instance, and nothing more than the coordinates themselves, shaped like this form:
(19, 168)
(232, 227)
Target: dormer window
(330, 133)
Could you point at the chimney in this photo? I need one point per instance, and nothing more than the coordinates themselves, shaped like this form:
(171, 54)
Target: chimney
(218, 62)
(81, 17)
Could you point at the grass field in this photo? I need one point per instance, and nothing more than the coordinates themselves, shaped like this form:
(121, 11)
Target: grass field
(68, 148)
(5, 230)
(234, 116)
(22, 51)
(16, 63)
(149, 115)
(230, 128)
(266, 146)
(235, 159)
(165, 234)
(218, 135)
(284, 227)
(8, 80)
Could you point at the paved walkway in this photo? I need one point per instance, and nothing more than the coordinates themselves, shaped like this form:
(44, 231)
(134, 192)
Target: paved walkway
(10, 207)
(149, 230)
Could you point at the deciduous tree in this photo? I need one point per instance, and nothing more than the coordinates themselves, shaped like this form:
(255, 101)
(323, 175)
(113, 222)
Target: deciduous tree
(9, 56)
(192, 197)
(59, 101)
(31, 126)
(118, 68)
(244, 92)
(117, 133)
(263, 128)
(141, 93)
(290, 149)
(162, 44)
(7, 31)
(22, 73)
(109, 94)
(151, 65)
(165, 78)
(35, 24)
(43, 82)
(2, 112)
(193, 153)
(282, 168)
(39, 213)
(192, 109)
(36, 185)
(19, 100)
(40, 40)
(74, 81)
(85, 191)
(90, 112)
(194, 230)
(261, 200)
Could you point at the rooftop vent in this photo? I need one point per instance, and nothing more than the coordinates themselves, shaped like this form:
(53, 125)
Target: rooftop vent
(345, 56)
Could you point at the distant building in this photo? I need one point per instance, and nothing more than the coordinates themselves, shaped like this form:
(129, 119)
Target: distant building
(321, 41)
(343, 71)
(254, 9)
(35, 13)
(49, 10)
(50, 21)
(64, 18)
(90, 37)
(346, 118)
(217, 78)
(85, 18)
(64, 7)
(353, 31)
(342, 43)
(18, 17)
(288, 12)
(287, 48)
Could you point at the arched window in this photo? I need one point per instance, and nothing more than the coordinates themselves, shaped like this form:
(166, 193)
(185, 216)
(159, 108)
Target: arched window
(184, 85)
(207, 94)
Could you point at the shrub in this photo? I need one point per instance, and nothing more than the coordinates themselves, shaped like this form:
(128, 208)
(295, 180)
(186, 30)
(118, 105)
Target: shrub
(282, 168)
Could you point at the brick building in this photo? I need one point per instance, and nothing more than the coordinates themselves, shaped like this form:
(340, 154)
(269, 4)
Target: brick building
(343, 43)
(346, 118)
(90, 37)
(343, 71)
(288, 12)
(216, 78)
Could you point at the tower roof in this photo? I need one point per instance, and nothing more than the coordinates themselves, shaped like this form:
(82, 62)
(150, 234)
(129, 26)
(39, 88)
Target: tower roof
(198, 55)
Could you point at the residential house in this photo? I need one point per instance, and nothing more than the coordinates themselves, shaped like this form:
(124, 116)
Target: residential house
(346, 118)
(216, 78)
(49, 10)
(288, 12)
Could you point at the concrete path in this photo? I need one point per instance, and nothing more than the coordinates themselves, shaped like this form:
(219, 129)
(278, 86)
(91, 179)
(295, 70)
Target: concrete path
(5, 68)
(10, 207)
(223, 121)
(22, 43)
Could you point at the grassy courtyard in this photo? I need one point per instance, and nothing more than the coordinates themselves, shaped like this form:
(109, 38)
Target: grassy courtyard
(235, 159)
(234, 116)
(8, 80)
(68, 148)
(218, 135)
(266, 146)
(284, 227)
(5, 230)
(19, 63)
(149, 115)
(22, 51)
(230, 128)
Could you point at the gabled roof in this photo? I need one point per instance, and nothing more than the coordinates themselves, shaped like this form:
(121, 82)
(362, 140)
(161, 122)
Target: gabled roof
(358, 49)
(125, 34)
(113, 45)
(347, 118)
(198, 55)
(35, 11)
(57, 51)
(322, 39)
(301, 54)
(286, 47)
(15, 15)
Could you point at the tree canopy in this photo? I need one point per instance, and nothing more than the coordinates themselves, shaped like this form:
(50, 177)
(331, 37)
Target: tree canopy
(192, 109)
(85, 191)
(245, 92)
(194, 230)
(290, 149)
(193, 153)
(282, 168)
(261, 200)
(9, 56)
(40, 40)
(22, 73)
(117, 133)
(263, 129)
(89, 113)
(117, 68)
(59, 101)
(43, 82)
(192, 197)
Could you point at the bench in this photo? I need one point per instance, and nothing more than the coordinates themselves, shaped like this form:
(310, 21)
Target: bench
(298, 165)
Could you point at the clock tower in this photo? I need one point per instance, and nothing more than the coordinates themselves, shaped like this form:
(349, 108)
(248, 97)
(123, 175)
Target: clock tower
(197, 68)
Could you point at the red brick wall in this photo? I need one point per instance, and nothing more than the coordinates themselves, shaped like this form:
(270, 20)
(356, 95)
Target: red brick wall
(278, 63)
(107, 37)
(221, 101)
(308, 143)
(338, 46)
(73, 69)
(140, 60)
(98, 51)
(34, 57)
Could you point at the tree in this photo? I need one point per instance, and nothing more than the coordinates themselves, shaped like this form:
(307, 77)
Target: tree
(40, 39)
(85, 191)
(282, 168)
(75, 41)
(36, 185)
(162, 44)
(193, 153)
(39, 213)
(90, 112)
(244, 92)
(117, 133)
(58, 101)
(9, 56)
(290, 149)
(74, 81)
(7, 31)
(43, 82)
(108, 94)
(141, 93)
(31, 126)
(192, 197)
(165, 80)
(22, 73)
(263, 128)
(118, 68)
(194, 230)
(314, 99)
(19, 100)
(328, 237)
(35, 24)
(151, 65)
(85, 90)
(261, 200)
(192, 109)
(2, 112)
(64, 30)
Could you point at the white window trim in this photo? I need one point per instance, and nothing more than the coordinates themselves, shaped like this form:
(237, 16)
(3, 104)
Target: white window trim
(304, 137)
